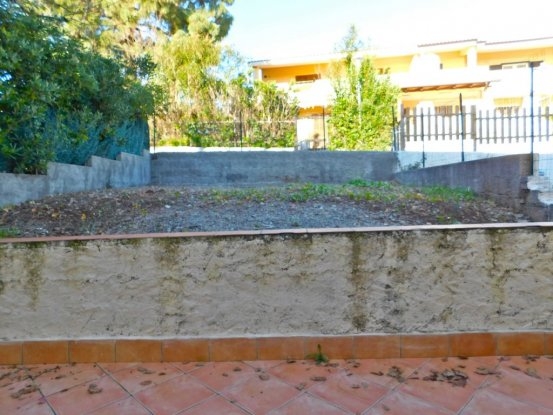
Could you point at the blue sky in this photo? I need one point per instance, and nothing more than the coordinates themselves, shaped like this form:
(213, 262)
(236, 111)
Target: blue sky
(288, 28)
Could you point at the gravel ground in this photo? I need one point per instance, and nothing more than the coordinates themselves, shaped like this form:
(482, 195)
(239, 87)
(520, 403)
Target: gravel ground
(178, 209)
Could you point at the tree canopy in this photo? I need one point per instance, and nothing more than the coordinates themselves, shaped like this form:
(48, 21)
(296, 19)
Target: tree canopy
(131, 27)
(54, 91)
(73, 69)
(363, 105)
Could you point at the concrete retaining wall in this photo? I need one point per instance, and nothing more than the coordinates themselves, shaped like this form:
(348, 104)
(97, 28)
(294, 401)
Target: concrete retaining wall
(502, 179)
(250, 168)
(127, 171)
(335, 282)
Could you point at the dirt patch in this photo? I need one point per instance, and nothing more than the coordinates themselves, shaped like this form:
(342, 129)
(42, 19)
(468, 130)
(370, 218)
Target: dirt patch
(178, 209)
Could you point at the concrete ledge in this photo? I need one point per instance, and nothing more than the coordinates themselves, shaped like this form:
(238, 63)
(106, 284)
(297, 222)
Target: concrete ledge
(127, 171)
(277, 348)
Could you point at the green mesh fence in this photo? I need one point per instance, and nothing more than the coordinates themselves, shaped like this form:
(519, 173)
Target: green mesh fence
(132, 137)
(3, 164)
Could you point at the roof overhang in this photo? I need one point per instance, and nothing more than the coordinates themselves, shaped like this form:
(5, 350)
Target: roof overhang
(444, 87)
(376, 53)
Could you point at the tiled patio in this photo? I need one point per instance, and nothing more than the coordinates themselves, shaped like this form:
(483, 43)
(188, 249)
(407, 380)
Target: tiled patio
(475, 385)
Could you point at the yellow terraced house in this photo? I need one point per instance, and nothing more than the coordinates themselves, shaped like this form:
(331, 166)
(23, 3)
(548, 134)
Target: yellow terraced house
(491, 79)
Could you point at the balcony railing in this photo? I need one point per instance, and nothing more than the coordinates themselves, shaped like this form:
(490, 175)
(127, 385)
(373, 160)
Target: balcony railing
(475, 127)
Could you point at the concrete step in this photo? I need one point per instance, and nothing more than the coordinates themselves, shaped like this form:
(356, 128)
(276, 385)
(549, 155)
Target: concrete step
(539, 183)
(546, 197)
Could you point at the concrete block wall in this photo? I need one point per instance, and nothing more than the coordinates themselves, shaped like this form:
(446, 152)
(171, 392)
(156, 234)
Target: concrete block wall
(502, 179)
(250, 168)
(127, 171)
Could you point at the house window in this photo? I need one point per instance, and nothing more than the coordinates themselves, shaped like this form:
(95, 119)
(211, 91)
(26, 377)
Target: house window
(383, 71)
(444, 110)
(510, 65)
(508, 106)
(515, 65)
(307, 78)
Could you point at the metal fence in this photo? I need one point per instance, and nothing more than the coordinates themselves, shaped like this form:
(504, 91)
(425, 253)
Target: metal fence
(432, 137)
(498, 130)
(228, 133)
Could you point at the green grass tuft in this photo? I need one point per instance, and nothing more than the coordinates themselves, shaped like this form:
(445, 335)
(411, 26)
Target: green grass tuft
(8, 232)
(356, 189)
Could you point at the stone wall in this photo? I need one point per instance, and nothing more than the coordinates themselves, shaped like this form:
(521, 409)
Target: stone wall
(431, 279)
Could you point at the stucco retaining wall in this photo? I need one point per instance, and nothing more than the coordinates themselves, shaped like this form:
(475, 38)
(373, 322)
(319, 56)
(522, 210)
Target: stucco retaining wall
(301, 282)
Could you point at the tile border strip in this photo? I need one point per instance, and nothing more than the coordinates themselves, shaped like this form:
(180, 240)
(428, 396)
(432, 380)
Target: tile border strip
(267, 232)
(369, 346)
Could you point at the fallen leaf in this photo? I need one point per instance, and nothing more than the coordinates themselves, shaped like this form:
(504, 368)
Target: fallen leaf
(532, 373)
(24, 391)
(318, 378)
(485, 371)
(144, 370)
(93, 389)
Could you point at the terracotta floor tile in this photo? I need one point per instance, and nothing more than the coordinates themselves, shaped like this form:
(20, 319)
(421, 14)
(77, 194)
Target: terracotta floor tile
(185, 350)
(129, 350)
(175, 395)
(548, 337)
(510, 344)
(265, 364)
(233, 349)
(351, 393)
(424, 345)
(11, 353)
(215, 405)
(34, 407)
(507, 385)
(400, 404)
(91, 351)
(376, 347)
(542, 366)
(79, 400)
(188, 366)
(45, 352)
(472, 344)
(334, 347)
(127, 406)
(385, 372)
(260, 394)
(519, 382)
(57, 378)
(488, 401)
(300, 373)
(12, 374)
(272, 348)
(220, 375)
(145, 375)
(307, 404)
(17, 395)
(115, 367)
(443, 393)
(470, 366)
